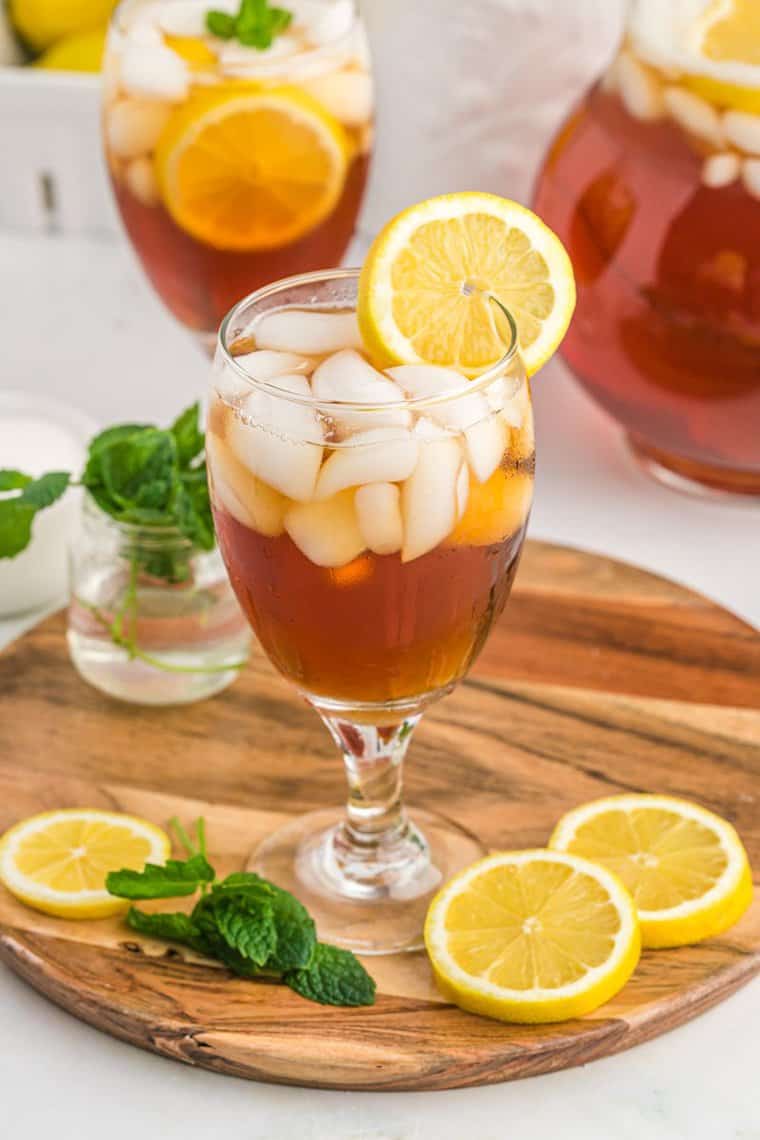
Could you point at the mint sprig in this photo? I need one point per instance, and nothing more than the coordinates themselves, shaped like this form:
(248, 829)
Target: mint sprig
(139, 475)
(148, 476)
(252, 926)
(257, 23)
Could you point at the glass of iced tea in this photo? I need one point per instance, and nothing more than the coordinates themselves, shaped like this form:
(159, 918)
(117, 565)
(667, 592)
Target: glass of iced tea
(238, 138)
(371, 523)
(654, 186)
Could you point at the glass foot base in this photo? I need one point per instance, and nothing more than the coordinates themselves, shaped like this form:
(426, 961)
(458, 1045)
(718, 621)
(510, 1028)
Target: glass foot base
(696, 479)
(372, 905)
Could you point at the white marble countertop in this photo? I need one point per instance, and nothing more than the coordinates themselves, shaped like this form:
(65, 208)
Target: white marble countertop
(78, 321)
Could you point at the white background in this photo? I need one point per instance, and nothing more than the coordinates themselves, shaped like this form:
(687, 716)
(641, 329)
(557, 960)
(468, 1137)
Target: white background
(77, 321)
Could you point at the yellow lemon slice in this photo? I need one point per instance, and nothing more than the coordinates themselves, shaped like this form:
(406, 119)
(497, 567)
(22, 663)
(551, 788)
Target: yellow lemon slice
(246, 169)
(532, 936)
(724, 94)
(57, 862)
(424, 289)
(729, 34)
(685, 867)
(193, 50)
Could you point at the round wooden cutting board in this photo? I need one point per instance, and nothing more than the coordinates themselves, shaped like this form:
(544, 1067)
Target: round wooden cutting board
(598, 679)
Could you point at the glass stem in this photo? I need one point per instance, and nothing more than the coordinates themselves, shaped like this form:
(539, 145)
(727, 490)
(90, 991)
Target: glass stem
(374, 758)
(376, 845)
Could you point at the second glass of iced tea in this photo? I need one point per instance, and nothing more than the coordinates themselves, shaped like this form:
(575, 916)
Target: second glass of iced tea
(371, 523)
(235, 164)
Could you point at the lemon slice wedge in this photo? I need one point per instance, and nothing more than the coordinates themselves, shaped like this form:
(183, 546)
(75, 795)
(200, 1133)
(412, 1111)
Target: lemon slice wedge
(57, 862)
(249, 169)
(728, 40)
(532, 936)
(731, 32)
(685, 867)
(426, 285)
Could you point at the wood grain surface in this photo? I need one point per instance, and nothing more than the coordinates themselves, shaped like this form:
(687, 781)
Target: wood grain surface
(598, 679)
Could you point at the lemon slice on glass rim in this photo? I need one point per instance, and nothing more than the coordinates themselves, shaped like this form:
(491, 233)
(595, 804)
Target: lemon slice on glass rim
(57, 861)
(532, 936)
(427, 286)
(685, 867)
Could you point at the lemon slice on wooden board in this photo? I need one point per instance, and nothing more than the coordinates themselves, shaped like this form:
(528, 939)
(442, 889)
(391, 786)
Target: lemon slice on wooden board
(424, 290)
(685, 867)
(532, 936)
(57, 862)
(246, 169)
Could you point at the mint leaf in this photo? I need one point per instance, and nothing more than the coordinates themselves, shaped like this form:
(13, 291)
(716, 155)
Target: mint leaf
(46, 490)
(242, 881)
(112, 435)
(220, 24)
(11, 480)
(172, 927)
(296, 932)
(187, 435)
(213, 944)
(92, 477)
(15, 526)
(255, 25)
(193, 509)
(17, 513)
(333, 977)
(247, 925)
(140, 471)
(172, 880)
(279, 20)
(100, 443)
(244, 915)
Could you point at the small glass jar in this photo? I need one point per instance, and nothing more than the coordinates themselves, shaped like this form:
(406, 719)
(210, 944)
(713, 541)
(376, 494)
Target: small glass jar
(152, 619)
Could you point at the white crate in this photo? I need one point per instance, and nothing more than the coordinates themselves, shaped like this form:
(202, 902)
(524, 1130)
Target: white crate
(52, 171)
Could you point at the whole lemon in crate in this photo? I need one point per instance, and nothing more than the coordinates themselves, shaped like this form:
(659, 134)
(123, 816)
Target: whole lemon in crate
(41, 22)
(82, 51)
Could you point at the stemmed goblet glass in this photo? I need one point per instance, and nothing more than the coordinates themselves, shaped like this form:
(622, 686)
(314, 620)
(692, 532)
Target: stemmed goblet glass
(371, 523)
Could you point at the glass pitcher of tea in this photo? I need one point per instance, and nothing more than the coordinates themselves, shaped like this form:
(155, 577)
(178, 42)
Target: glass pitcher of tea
(653, 183)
